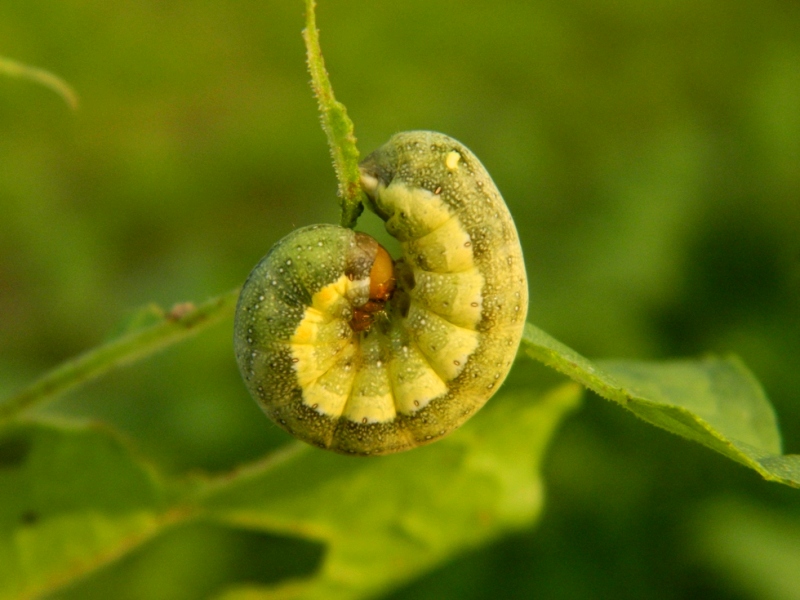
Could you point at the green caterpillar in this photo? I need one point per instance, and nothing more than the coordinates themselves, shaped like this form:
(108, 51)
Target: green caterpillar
(351, 351)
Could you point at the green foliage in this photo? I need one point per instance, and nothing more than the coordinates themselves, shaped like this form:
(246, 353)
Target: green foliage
(82, 499)
(716, 402)
(79, 500)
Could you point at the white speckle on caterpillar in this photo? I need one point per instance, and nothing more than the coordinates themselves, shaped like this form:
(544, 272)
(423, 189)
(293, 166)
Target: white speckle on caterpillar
(452, 159)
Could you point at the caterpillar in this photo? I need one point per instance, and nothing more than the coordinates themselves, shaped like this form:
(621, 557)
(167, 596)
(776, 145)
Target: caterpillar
(352, 351)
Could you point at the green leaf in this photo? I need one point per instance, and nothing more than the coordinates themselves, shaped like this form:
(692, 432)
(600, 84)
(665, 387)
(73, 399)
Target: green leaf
(73, 499)
(696, 398)
(714, 401)
(82, 499)
(386, 520)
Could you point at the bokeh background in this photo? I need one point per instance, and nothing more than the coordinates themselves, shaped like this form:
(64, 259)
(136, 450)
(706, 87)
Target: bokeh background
(649, 150)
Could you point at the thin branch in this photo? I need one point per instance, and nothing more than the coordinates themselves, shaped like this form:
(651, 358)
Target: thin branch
(13, 68)
(183, 321)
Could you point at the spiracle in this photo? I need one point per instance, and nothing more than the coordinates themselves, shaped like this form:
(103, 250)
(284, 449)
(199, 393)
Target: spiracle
(352, 351)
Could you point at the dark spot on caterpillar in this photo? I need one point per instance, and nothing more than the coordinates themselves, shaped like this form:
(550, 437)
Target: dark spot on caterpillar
(406, 276)
(404, 305)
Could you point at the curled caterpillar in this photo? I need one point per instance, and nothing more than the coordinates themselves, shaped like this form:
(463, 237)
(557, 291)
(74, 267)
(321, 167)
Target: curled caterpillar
(352, 351)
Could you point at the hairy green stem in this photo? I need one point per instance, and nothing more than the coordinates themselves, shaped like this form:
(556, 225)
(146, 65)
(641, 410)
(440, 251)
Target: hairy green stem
(180, 323)
(337, 125)
(13, 68)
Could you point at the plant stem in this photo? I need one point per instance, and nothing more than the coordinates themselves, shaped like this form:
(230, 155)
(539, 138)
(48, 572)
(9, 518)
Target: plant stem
(176, 326)
(337, 125)
(13, 68)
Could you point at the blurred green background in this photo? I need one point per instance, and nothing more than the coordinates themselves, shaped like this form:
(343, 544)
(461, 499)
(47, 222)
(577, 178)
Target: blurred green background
(649, 151)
